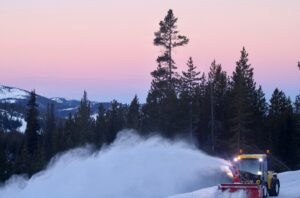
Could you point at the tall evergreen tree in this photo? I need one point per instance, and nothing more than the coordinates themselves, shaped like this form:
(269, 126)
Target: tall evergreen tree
(242, 93)
(280, 120)
(260, 110)
(297, 105)
(133, 117)
(83, 120)
(116, 120)
(189, 83)
(160, 110)
(3, 161)
(33, 126)
(217, 88)
(169, 38)
(101, 126)
(49, 130)
(189, 80)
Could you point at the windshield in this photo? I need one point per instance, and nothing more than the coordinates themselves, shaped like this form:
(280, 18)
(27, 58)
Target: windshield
(249, 165)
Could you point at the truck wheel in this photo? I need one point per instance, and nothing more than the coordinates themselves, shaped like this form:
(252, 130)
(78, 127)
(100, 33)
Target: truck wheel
(275, 187)
(265, 192)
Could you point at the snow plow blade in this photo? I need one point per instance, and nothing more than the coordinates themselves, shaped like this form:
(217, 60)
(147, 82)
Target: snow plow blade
(250, 190)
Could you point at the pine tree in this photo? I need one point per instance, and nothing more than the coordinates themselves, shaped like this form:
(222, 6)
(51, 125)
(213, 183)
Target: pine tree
(116, 120)
(169, 38)
(297, 105)
(158, 92)
(296, 137)
(201, 114)
(189, 82)
(242, 93)
(260, 111)
(83, 120)
(49, 130)
(33, 126)
(280, 120)
(133, 117)
(3, 161)
(101, 126)
(217, 88)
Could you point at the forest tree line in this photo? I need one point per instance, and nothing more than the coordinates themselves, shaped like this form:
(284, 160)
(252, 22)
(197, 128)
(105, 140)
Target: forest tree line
(220, 113)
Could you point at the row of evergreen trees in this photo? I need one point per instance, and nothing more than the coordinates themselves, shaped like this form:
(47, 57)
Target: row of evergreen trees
(219, 113)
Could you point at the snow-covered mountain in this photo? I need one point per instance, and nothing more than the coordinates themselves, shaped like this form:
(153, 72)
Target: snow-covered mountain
(13, 102)
(11, 94)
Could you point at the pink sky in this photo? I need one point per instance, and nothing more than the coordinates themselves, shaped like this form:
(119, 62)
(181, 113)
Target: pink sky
(61, 47)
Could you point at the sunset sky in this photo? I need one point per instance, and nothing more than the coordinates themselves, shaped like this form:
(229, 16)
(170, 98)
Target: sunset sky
(61, 47)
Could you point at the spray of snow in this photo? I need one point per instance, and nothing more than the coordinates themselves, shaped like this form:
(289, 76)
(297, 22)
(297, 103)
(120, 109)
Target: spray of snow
(131, 167)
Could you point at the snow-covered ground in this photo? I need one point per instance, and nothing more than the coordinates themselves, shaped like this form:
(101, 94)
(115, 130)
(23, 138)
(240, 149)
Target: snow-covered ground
(22, 128)
(57, 99)
(16, 117)
(290, 188)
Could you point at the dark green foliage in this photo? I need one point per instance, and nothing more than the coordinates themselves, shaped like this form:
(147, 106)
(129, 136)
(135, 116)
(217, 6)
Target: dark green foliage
(49, 131)
(101, 126)
(245, 103)
(282, 131)
(83, 121)
(190, 80)
(33, 126)
(169, 38)
(189, 83)
(218, 90)
(134, 114)
(116, 120)
(162, 101)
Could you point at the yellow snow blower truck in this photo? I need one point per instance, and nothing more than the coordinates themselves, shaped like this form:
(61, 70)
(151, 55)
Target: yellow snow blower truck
(250, 173)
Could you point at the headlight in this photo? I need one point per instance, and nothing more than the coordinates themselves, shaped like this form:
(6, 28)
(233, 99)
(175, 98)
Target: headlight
(229, 174)
(259, 173)
(236, 159)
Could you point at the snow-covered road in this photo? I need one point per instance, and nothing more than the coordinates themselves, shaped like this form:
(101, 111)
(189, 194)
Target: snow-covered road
(290, 188)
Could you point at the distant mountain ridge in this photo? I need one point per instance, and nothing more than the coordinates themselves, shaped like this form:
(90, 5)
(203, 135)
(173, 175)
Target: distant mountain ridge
(13, 101)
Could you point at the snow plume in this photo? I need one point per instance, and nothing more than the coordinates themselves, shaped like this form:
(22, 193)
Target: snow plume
(132, 167)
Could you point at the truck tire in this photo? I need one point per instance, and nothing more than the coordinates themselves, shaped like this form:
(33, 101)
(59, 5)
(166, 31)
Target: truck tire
(265, 192)
(275, 187)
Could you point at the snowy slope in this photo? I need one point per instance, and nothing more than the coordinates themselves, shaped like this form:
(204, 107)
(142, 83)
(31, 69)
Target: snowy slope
(10, 93)
(290, 188)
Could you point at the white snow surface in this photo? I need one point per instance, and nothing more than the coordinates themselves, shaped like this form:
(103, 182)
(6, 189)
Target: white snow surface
(69, 109)
(132, 167)
(289, 188)
(12, 93)
(23, 127)
(94, 116)
(16, 116)
(57, 99)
